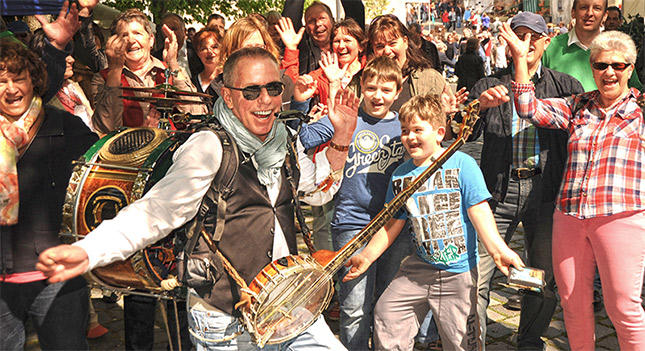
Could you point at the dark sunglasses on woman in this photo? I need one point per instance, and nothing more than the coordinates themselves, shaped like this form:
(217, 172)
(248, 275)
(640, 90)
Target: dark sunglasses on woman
(252, 92)
(617, 66)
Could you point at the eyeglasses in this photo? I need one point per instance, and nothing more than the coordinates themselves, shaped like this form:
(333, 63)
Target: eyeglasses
(252, 92)
(617, 66)
(534, 36)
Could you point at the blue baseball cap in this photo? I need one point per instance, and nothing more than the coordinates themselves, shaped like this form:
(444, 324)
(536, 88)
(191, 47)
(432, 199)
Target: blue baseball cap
(531, 21)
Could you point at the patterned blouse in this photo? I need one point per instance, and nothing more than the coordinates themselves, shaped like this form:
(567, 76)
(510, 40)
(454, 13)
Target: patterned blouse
(604, 173)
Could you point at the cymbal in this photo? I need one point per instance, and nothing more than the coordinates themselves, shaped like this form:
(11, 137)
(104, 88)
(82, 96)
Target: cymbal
(165, 89)
(162, 101)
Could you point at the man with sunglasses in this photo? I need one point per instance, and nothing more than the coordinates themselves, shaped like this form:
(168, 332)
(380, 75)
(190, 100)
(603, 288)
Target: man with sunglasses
(569, 52)
(523, 182)
(259, 218)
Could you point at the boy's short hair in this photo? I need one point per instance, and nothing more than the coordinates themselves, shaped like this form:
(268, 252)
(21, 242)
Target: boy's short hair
(427, 107)
(383, 68)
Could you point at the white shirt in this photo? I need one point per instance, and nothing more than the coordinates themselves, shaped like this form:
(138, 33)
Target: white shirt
(182, 60)
(573, 39)
(174, 200)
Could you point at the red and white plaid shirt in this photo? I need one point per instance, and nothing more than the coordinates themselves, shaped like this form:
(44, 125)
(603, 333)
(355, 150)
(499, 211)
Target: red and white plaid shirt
(604, 173)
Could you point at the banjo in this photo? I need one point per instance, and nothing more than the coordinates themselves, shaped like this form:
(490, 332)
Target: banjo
(290, 293)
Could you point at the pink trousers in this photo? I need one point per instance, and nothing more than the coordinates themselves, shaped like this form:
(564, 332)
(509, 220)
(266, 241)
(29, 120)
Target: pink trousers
(616, 244)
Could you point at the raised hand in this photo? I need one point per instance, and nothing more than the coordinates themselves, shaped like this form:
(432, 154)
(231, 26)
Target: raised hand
(493, 97)
(170, 48)
(289, 37)
(519, 48)
(115, 49)
(461, 95)
(317, 112)
(62, 30)
(152, 119)
(63, 262)
(331, 67)
(305, 87)
(343, 114)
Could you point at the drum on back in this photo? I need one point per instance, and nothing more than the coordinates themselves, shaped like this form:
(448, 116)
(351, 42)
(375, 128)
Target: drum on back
(117, 170)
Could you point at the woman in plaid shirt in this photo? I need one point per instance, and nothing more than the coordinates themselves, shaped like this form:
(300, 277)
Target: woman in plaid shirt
(600, 216)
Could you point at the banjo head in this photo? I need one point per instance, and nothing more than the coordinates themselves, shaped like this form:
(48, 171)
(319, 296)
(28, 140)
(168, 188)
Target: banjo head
(290, 294)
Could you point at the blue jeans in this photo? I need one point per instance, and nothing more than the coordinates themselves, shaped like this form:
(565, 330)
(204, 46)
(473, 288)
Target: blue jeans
(358, 297)
(428, 331)
(214, 330)
(58, 311)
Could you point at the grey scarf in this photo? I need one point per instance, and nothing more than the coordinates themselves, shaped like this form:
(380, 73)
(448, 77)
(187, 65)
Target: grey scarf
(269, 155)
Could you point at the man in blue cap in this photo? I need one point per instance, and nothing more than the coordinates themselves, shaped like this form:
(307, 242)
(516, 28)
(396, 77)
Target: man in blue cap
(524, 181)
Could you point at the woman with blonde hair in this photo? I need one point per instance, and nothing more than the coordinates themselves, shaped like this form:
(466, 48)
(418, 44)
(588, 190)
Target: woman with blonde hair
(250, 31)
(247, 32)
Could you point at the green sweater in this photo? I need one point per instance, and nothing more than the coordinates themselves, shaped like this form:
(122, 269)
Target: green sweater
(574, 61)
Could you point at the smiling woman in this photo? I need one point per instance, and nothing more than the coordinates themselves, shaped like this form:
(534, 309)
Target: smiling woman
(37, 146)
(598, 220)
(131, 65)
(20, 80)
(348, 45)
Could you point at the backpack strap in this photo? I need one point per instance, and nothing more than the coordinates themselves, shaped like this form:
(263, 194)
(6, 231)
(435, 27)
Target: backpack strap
(218, 192)
(293, 160)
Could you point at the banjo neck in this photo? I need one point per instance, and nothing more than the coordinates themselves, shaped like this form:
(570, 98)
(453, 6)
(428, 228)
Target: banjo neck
(346, 252)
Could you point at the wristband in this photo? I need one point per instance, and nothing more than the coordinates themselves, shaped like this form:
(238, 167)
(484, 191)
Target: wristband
(341, 148)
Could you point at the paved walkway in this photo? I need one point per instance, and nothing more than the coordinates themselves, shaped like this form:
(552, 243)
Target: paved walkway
(502, 327)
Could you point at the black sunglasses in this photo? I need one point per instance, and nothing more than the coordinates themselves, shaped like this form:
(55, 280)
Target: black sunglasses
(253, 92)
(617, 66)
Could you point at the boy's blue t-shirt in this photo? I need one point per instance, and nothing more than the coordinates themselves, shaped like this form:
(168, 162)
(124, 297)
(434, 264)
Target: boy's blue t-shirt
(441, 230)
(374, 153)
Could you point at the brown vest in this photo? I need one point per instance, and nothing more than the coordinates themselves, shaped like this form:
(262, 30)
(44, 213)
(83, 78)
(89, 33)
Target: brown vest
(247, 241)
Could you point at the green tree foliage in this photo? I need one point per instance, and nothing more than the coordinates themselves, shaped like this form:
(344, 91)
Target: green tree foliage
(199, 10)
(374, 8)
(635, 28)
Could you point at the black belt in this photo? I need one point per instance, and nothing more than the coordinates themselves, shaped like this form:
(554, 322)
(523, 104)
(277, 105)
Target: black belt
(525, 173)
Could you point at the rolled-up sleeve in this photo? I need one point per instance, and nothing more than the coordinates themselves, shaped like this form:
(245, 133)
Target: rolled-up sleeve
(547, 113)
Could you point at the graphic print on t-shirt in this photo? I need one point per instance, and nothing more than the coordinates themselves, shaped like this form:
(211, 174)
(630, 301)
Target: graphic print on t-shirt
(435, 216)
(370, 153)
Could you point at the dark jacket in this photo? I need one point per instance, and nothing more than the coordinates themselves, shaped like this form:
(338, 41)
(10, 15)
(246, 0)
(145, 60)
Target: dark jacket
(432, 54)
(495, 124)
(210, 90)
(469, 69)
(43, 174)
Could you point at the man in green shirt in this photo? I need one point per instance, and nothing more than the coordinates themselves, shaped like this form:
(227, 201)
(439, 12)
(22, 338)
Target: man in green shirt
(569, 52)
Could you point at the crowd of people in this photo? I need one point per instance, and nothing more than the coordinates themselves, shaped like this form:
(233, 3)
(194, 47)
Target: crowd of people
(562, 119)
